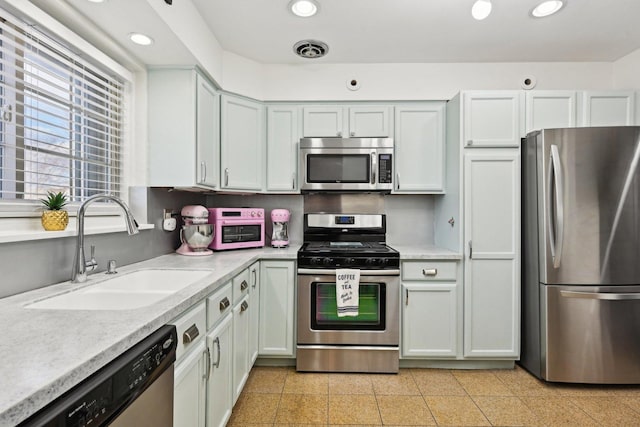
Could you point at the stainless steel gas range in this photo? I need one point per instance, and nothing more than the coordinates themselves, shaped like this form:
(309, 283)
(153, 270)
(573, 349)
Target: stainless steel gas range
(364, 342)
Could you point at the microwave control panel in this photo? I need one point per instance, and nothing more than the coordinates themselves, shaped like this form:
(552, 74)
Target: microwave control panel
(384, 168)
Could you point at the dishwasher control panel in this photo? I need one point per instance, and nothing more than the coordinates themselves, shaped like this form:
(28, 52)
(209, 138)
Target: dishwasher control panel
(101, 397)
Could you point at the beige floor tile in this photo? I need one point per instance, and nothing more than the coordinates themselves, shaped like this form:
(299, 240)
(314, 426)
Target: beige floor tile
(608, 411)
(522, 383)
(350, 384)
(437, 382)
(558, 411)
(353, 409)
(255, 408)
(399, 384)
(266, 380)
(481, 383)
(455, 411)
(302, 409)
(404, 410)
(626, 390)
(306, 383)
(506, 411)
(632, 402)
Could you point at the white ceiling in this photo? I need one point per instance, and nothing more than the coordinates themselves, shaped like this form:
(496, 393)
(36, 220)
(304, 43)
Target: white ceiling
(386, 31)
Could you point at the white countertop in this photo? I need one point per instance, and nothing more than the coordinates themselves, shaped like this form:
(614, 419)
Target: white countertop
(46, 352)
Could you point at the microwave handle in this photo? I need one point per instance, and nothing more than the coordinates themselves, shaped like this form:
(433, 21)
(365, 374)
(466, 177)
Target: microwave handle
(374, 166)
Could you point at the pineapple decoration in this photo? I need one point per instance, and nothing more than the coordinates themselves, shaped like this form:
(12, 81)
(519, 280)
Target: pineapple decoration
(55, 218)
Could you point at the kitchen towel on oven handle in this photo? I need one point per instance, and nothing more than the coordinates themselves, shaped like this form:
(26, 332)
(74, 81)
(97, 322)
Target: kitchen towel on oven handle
(347, 291)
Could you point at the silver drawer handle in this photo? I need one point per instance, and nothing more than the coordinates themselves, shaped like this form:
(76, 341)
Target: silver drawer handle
(430, 271)
(244, 306)
(190, 334)
(224, 304)
(244, 285)
(601, 296)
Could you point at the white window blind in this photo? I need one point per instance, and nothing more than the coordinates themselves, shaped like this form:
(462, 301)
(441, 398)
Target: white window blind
(60, 119)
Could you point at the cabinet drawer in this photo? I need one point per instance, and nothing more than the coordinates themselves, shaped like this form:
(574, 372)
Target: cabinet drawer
(219, 304)
(429, 270)
(191, 327)
(240, 285)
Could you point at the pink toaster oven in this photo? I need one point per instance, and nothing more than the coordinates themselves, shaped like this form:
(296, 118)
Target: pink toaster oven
(237, 228)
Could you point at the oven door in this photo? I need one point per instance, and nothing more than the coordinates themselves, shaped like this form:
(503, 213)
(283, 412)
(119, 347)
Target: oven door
(234, 234)
(345, 169)
(378, 321)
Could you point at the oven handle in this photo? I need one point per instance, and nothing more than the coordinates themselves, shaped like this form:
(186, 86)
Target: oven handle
(332, 271)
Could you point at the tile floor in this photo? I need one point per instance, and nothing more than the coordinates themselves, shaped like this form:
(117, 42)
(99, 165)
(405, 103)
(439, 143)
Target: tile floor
(429, 397)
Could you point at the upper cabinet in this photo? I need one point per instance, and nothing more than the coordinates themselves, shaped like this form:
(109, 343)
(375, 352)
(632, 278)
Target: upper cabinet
(283, 133)
(550, 109)
(183, 129)
(608, 108)
(493, 118)
(241, 144)
(335, 121)
(419, 148)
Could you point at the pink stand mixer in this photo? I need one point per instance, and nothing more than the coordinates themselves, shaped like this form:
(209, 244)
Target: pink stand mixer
(196, 233)
(280, 236)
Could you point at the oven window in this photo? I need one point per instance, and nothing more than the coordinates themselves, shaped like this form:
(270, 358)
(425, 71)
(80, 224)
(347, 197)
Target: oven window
(241, 233)
(332, 168)
(371, 308)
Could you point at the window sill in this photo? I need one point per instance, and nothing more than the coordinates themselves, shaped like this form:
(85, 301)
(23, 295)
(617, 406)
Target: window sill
(9, 236)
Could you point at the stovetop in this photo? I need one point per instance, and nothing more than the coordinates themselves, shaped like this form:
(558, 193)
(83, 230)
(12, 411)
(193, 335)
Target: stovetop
(362, 255)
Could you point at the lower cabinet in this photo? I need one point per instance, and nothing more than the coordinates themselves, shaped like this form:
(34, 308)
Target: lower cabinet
(277, 314)
(241, 367)
(430, 309)
(219, 375)
(189, 376)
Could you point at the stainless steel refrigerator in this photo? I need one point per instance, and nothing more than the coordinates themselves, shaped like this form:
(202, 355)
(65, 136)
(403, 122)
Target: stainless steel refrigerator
(581, 252)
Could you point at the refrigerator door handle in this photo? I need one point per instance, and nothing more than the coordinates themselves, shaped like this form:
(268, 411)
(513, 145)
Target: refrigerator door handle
(555, 216)
(601, 296)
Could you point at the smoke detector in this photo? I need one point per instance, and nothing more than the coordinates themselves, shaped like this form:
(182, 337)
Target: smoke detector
(310, 49)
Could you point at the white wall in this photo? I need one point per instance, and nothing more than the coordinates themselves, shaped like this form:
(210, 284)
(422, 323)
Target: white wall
(626, 71)
(423, 81)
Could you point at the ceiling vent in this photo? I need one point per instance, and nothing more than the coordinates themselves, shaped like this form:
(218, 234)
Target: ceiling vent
(310, 49)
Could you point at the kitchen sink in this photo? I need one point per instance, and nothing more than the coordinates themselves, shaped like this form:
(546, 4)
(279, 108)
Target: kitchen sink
(126, 291)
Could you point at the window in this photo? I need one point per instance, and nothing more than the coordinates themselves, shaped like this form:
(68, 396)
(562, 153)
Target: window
(60, 119)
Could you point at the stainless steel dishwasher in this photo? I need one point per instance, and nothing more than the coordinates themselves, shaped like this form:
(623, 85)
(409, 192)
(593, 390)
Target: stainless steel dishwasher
(136, 389)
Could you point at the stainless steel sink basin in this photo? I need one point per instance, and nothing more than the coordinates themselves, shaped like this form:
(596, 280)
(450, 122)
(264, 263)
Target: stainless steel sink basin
(125, 291)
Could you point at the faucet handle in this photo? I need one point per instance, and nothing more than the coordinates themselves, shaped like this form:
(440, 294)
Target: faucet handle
(92, 263)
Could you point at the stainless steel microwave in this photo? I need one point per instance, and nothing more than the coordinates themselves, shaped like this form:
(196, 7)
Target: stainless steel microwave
(346, 164)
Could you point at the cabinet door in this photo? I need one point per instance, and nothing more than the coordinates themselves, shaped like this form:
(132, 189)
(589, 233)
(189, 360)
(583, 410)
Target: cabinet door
(419, 148)
(492, 265)
(254, 313)
(608, 108)
(219, 374)
(189, 389)
(429, 317)
(207, 134)
(493, 119)
(369, 122)
(241, 144)
(282, 149)
(277, 287)
(322, 121)
(241, 317)
(550, 109)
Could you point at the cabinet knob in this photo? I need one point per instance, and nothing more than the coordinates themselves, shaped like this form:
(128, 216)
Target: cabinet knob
(353, 134)
(430, 271)
(244, 285)
(339, 134)
(470, 142)
(224, 304)
(244, 306)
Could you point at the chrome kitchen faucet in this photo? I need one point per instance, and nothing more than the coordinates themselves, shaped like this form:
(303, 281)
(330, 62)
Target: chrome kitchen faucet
(80, 264)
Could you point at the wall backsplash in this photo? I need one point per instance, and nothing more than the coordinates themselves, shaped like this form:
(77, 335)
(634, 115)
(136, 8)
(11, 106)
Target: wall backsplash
(34, 264)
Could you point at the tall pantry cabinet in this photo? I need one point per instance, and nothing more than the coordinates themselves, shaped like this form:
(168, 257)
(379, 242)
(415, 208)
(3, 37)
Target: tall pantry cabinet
(490, 127)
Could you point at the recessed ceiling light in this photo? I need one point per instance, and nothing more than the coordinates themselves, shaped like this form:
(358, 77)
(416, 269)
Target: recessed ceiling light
(141, 39)
(303, 8)
(481, 9)
(547, 8)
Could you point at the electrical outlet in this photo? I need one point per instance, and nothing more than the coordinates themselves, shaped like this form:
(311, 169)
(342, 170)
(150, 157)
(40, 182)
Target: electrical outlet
(168, 213)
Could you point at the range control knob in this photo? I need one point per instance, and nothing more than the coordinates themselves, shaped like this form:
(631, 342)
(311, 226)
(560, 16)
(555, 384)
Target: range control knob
(315, 261)
(327, 261)
(349, 261)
